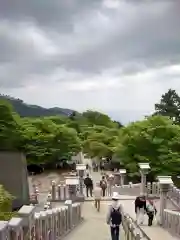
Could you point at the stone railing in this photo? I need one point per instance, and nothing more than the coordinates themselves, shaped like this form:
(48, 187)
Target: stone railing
(174, 196)
(131, 230)
(171, 222)
(50, 224)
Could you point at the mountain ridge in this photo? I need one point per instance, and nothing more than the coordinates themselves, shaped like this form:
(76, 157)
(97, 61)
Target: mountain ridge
(31, 110)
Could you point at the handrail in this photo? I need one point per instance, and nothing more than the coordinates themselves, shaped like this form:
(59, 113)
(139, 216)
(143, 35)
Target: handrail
(132, 229)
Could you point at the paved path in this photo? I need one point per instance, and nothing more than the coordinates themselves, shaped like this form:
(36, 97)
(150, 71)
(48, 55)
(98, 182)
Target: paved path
(94, 226)
(153, 232)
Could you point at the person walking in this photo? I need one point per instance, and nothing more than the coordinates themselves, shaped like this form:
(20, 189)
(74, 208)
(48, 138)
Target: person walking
(103, 185)
(89, 185)
(114, 216)
(110, 181)
(140, 208)
(97, 196)
(151, 211)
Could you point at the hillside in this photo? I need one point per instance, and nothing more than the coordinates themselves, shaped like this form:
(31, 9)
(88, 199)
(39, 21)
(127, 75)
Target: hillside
(27, 110)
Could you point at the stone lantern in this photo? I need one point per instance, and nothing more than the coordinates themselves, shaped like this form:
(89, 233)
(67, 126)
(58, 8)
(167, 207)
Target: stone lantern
(144, 169)
(165, 183)
(81, 168)
(72, 183)
(117, 178)
(122, 175)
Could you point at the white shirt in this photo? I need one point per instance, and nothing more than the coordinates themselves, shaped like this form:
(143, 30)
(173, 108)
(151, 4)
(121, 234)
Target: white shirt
(97, 192)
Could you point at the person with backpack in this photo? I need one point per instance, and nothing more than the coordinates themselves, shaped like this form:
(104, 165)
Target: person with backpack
(114, 216)
(151, 211)
(89, 185)
(103, 185)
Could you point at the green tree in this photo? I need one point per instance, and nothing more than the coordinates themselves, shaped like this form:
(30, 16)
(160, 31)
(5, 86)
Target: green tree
(155, 140)
(9, 127)
(45, 141)
(97, 118)
(169, 106)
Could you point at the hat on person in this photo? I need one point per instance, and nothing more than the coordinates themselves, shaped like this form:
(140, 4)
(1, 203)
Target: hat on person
(115, 196)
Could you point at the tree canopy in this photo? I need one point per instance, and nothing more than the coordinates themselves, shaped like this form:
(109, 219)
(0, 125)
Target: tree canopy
(169, 106)
(52, 139)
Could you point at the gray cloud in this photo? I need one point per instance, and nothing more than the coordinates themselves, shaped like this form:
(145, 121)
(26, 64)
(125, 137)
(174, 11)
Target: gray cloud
(70, 41)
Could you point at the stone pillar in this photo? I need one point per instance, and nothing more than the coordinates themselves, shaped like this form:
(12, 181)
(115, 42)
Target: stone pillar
(27, 215)
(68, 203)
(117, 178)
(44, 222)
(122, 175)
(72, 182)
(165, 182)
(38, 228)
(16, 231)
(144, 168)
(4, 231)
(81, 168)
(53, 190)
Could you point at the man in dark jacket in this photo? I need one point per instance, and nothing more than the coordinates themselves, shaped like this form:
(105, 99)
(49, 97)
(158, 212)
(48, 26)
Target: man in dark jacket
(140, 208)
(89, 185)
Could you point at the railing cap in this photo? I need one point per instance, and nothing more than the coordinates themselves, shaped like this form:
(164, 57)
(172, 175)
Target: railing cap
(26, 210)
(165, 180)
(68, 202)
(80, 167)
(15, 222)
(144, 166)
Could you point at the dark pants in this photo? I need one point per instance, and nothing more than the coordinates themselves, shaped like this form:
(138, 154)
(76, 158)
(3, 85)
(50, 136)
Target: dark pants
(103, 192)
(89, 191)
(150, 218)
(115, 233)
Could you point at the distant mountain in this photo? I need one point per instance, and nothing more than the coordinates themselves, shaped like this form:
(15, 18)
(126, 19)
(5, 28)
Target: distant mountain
(27, 110)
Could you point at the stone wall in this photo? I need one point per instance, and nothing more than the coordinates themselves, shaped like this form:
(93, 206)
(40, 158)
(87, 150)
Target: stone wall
(14, 177)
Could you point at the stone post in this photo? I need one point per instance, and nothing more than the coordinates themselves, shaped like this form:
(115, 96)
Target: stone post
(165, 182)
(68, 203)
(16, 231)
(122, 175)
(72, 183)
(53, 190)
(144, 169)
(27, 215)
(4, 231)
(117, 178)
(44, 222)
(81, 168)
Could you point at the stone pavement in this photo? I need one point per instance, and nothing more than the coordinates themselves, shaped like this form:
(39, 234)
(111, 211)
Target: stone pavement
(153, 232)
(94, 225)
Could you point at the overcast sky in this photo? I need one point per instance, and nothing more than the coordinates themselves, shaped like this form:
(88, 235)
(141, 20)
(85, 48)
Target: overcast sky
(115, 56)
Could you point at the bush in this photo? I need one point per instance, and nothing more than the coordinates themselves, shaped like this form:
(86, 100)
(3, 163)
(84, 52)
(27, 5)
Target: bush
(5, 204)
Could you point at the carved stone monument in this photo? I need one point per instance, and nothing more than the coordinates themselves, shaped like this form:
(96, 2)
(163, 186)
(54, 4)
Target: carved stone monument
(14, 177)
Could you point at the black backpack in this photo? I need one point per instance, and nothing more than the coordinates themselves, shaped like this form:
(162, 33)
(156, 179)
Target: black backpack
(116, 216)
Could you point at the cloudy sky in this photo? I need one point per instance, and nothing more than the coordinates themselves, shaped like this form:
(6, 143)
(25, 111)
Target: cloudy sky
(115, 56)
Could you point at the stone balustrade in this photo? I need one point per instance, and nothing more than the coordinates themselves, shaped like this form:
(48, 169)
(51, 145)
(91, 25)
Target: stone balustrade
(171, 222)
(50, 224)
(131, 229)
(174, 195)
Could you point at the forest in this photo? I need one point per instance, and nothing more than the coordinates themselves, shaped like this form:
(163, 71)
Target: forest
(48, 140)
